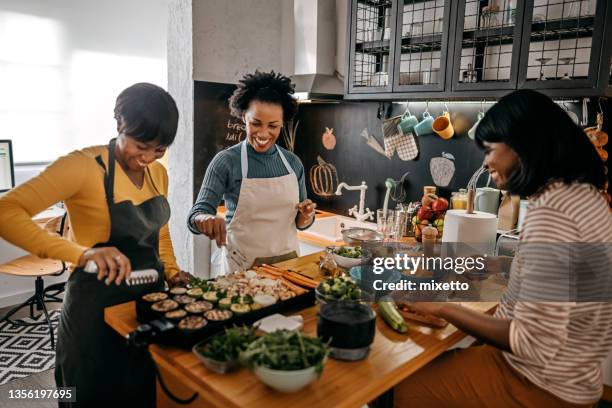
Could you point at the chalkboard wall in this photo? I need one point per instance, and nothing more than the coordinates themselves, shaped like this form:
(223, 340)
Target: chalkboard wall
(354, 160)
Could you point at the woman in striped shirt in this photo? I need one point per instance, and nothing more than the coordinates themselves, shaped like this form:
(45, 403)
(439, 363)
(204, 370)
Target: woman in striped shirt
(553, 328)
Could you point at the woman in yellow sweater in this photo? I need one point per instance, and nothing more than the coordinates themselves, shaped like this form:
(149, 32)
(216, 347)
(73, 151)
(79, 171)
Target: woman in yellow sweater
(116, 200)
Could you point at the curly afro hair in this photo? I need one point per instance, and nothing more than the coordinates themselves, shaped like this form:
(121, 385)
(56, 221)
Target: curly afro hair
(270, 87)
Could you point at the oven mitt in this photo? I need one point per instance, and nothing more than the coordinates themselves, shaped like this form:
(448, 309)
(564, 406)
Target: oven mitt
(394, 140)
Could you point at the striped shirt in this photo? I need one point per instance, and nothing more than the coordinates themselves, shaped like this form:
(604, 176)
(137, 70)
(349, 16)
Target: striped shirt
(223, 178)
(559, 345)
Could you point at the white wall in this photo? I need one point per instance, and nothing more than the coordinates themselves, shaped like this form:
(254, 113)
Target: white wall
(63, 64)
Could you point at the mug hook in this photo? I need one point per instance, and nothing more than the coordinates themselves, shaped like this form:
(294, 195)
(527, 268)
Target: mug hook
(427, 106)
(446, 107)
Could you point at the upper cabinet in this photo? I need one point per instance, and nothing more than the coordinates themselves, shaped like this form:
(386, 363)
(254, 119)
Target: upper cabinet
(487, 45)
(478, 48)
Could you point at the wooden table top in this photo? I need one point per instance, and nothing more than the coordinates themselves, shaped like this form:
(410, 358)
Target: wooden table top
(392, 358)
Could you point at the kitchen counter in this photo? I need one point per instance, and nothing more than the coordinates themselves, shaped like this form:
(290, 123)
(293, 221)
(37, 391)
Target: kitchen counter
(392, 358)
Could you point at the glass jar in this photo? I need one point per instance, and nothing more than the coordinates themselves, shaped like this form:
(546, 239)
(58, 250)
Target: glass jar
(459, 199)
(328, 265)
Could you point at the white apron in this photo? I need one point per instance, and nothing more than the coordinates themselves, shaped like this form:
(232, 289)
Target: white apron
(263, 225)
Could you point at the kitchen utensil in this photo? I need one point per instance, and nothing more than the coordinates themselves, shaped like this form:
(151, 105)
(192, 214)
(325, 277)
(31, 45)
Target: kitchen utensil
(407, 122)
(323, 178)
(424, 126)
(442, 169)
(487, 199)
(394, 140)
(373, 143)
(328, 139)
(349, 327)
(139, 277)
(364, 237)
(443, 127)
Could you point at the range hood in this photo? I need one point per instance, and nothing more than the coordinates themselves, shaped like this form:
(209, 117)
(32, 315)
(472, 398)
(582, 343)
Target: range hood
(314, 44)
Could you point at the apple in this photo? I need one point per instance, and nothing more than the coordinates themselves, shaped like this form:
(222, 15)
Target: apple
(425, 213)
(428, 199)
(441, 204)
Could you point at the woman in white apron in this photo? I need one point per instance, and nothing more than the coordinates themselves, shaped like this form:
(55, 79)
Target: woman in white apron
(262, 185)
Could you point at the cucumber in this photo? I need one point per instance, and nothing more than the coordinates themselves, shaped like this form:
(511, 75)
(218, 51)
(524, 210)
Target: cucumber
(391, 315)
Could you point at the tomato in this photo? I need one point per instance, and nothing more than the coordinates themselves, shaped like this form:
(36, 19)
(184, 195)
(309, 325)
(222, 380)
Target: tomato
(441, 204)
(425, 213)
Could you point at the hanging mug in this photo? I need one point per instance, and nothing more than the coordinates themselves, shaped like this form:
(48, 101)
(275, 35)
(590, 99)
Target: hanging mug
(424, 126)
(407, 123)
(472, 131)
(443, 127)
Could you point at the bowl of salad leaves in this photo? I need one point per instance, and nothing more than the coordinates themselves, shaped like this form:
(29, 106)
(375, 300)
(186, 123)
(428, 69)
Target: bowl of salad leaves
(286, 360)
(349, 256)
(220, 353)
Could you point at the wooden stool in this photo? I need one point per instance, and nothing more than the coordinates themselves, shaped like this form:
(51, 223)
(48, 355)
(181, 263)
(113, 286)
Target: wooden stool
(33, 266)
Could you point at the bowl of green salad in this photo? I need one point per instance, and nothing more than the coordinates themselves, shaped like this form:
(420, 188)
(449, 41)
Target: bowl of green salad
(349, 256)
(286, 360)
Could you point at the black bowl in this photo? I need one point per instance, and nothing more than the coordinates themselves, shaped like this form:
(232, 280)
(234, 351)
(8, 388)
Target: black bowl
(349, 325)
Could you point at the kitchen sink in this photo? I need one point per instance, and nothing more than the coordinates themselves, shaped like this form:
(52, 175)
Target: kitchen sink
(330, 228)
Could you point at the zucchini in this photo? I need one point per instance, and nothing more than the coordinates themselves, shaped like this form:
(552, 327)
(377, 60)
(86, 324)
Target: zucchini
(391, 315)
(195, 293)
(225, 303)
(239, 308)
(211, 297)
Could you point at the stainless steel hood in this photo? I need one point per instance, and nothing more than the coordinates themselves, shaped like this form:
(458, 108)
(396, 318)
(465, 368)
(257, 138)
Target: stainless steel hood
(314, 39)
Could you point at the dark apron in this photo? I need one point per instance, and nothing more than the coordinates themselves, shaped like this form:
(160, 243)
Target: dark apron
(90, 355)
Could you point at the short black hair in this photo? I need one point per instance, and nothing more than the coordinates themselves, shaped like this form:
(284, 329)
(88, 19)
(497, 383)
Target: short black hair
(270, 87)
(147, 112)
(549, 145)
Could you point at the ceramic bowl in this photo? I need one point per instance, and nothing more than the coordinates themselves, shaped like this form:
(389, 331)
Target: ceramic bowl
(286, 381)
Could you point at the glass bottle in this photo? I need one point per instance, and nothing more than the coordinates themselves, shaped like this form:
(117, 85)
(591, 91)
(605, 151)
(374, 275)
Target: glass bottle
(328, 265)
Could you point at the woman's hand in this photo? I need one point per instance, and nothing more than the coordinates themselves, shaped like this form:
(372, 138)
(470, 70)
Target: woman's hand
(111, 263)
(211, 226)
(306, 211)
(180, 279)
(431, 308)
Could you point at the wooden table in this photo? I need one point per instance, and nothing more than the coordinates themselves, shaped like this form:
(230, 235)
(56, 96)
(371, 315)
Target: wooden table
(343, 384)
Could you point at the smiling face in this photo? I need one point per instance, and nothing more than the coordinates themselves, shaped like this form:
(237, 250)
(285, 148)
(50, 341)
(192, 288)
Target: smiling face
(135, 155)
(263, 124)
(501, 162)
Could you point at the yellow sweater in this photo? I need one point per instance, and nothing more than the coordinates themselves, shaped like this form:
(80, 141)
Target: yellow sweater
(78, 180)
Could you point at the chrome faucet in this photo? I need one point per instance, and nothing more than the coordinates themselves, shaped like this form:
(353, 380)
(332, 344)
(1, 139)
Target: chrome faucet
(359, 214)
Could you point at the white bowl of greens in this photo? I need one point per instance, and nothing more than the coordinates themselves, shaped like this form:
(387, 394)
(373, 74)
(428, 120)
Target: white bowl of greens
(286, 360)
(349, 256)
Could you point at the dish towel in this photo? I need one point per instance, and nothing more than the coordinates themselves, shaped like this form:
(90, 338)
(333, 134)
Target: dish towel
(405, 144)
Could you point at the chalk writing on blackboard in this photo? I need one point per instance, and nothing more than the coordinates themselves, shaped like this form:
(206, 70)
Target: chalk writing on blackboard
(235, 131)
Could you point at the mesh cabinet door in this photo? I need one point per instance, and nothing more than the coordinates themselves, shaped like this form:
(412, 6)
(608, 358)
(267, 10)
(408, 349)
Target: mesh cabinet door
(421, 48)
(562, 43)
(487, 48)
(372, 33)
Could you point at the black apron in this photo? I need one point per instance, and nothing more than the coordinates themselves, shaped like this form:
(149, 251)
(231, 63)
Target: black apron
(90, 355)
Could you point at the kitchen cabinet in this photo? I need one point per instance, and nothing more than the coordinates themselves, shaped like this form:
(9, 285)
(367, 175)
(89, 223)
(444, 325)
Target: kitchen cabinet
(403, 49)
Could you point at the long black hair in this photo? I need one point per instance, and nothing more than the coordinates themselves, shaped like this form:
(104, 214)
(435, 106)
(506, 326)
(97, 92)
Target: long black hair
(549, 145)
(147, 112)
(270, 87)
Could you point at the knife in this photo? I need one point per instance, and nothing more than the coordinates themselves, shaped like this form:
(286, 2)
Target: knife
(139, 277)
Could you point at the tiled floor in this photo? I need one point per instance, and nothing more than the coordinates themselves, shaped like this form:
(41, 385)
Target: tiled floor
(43, 380)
